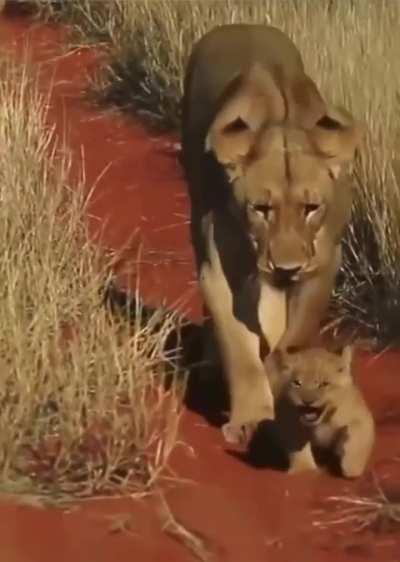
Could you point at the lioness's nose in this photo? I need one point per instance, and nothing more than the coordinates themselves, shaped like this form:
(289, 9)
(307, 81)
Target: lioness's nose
(284, 274)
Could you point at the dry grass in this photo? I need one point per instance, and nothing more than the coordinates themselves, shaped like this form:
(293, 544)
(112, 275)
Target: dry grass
(83, 409)
(378, 512)
(349, 48)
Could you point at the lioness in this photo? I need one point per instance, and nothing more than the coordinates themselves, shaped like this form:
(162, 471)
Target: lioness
(262, 155)
(317, 403)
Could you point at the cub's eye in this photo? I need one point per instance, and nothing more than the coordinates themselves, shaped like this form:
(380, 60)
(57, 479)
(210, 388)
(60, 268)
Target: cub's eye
(264, 209)
(323, 384)
(310, 208)
(296, 382)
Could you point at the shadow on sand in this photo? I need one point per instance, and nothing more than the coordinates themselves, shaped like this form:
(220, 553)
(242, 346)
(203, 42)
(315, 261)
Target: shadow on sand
(206, 392)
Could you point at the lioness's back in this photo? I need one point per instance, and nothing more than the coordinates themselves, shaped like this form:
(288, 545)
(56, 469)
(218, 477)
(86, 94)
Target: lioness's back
(226, 52)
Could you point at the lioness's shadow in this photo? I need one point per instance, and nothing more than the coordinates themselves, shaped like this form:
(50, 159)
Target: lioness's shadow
(205, 391)
(263, 450)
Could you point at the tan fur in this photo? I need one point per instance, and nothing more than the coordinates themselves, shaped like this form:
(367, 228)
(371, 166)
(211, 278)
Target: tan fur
(342, 421)
(262, 153)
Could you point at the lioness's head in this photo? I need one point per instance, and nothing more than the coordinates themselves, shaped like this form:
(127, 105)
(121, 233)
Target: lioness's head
(283, 161)
(313, 379)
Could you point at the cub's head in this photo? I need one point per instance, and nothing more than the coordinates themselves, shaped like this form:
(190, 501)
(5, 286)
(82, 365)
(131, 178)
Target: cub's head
(313, 379)
(282, 152)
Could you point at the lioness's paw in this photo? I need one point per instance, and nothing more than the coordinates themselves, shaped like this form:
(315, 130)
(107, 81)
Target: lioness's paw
(235, 434)
(245, 418)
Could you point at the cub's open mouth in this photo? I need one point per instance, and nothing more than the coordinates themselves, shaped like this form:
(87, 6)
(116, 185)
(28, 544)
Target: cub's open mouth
(310, 415)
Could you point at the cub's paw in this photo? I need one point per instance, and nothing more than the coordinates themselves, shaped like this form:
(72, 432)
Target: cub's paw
(302, 461)
(351, 468)
(296, 468)
(352, 456)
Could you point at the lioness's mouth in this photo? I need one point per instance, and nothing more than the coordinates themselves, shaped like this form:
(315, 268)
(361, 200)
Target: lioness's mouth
(310, 415)
(281, 281)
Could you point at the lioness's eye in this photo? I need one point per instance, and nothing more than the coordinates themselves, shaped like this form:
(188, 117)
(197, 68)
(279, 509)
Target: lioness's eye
(263, 208)
(296, 382)
(323, 384)
(310, 208)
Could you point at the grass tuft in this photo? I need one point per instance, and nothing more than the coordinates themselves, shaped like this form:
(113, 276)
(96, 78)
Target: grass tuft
(83, 406)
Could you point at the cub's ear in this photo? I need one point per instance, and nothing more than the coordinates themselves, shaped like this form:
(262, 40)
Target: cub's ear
(278, 359)
(347, 357)
(275, 360)
(336, 137)
(249, 101)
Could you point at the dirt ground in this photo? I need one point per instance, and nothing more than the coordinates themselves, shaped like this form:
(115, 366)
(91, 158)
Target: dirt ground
(242, 511)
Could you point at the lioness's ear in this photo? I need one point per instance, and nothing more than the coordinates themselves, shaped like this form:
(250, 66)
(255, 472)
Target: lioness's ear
(336, 137)
(305, 104)
(248, 102)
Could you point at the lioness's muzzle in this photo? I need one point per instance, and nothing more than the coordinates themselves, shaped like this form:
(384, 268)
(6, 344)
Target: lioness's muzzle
(286, 275)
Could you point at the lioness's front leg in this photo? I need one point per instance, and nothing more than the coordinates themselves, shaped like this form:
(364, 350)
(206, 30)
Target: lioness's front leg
(250, 396)
(308, 304)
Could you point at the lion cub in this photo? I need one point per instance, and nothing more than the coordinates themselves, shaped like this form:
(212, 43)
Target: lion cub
(318, 405)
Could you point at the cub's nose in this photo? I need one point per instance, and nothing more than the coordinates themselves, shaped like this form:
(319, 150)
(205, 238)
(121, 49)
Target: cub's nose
(285, 275)
(308, 403)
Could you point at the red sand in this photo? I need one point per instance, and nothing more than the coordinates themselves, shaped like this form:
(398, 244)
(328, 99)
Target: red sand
(244, 513)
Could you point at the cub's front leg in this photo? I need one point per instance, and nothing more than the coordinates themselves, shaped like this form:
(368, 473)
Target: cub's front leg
(302, 460)
(354, 447)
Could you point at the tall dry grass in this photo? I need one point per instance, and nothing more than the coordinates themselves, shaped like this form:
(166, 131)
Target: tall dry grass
(349, 48)
(83, 407)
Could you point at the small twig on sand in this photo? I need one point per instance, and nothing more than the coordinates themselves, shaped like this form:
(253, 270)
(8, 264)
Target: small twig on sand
(121, 523)
(172, 527)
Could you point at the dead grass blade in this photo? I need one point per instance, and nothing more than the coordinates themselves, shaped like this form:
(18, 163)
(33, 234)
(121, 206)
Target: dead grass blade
(379, 512)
